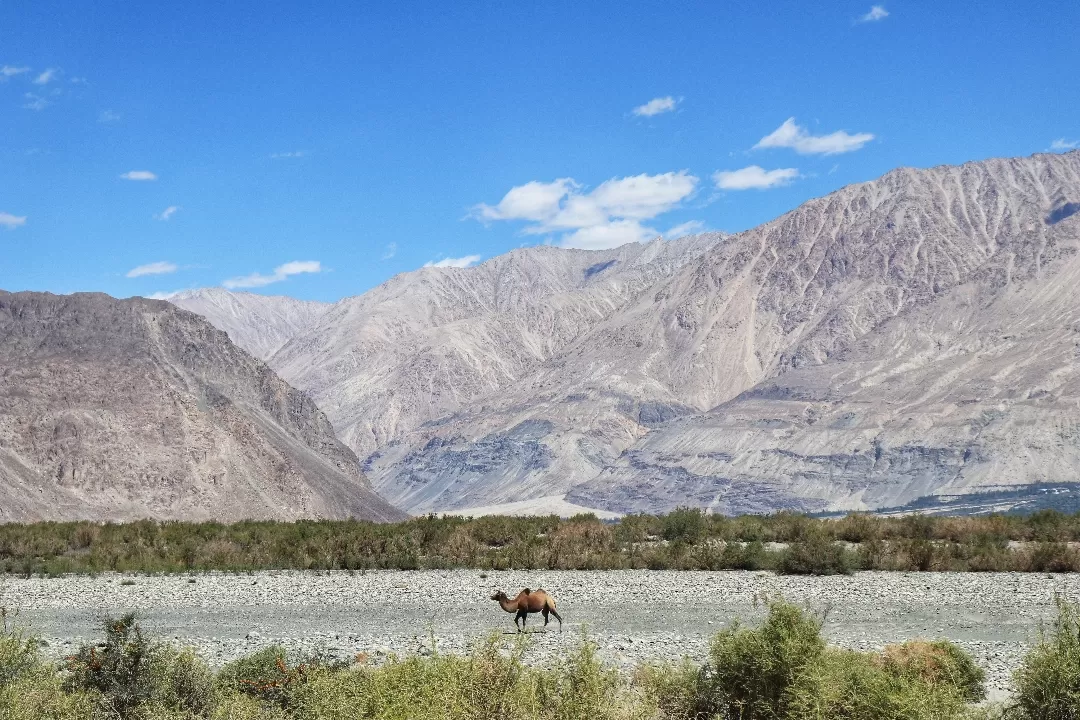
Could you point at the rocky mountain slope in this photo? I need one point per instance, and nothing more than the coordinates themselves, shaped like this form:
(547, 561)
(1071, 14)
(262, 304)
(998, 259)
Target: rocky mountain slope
(902, 338)
(899, 338)
(122, 409)
(429, 343)
(260, 324)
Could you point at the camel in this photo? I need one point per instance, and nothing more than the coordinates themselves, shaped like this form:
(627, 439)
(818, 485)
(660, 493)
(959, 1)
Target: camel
(528, 601)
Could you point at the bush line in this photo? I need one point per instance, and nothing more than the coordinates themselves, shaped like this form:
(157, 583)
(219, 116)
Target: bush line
(685, 539)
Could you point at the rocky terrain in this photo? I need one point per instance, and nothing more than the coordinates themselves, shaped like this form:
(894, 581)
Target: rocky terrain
(908, 337)
(260, 324)
(124, 409)
(660, 615)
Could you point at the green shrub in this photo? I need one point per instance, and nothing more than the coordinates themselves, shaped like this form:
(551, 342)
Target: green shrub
(133, 675)
(120, 669)
(685, 525)
(751, 673)
(939, 662)
(18, 650)
(1048, 680)
(847, 684)
(816, 555)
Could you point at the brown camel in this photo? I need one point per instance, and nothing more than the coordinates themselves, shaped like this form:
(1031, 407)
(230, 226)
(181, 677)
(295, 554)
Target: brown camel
(528, 601)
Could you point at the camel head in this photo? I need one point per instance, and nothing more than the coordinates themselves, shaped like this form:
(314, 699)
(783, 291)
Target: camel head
(499, 595)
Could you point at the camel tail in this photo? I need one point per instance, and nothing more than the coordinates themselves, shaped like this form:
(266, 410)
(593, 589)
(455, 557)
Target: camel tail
(553, 611)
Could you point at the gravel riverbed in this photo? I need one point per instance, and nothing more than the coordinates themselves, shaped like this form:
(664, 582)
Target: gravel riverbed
(634, 616)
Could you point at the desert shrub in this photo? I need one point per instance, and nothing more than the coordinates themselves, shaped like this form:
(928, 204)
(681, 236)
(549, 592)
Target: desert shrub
(264, 675)
(120, 669)
(1049, 557)
(1048, 680)
(857, 528)
(936, 663)
(675, 690)
(18, 650)
(751, 672)
(40, 693)
(132, 674)
(847, 684)
(685, 525)
(816, 554)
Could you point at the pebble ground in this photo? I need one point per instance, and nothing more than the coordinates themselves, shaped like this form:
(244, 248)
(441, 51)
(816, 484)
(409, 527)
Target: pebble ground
(634, 616)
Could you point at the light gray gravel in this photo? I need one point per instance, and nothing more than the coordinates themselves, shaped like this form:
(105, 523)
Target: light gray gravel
(634, 616)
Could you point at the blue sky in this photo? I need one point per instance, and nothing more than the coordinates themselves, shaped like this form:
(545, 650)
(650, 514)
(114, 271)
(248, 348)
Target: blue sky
(316, 153)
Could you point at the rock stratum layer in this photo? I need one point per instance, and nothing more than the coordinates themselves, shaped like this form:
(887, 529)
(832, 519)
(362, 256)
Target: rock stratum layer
(123, 409)
(908, 337)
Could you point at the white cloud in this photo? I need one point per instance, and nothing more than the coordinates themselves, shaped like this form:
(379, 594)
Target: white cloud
(461, 262)
(167, 213)
(139, 175)
(7, 71)
(294, 154)
(796, 137)
(9, 221)
(691, 227)
(154, 268)
(753, 177)
(35, 102)
(608, 235)
(108, 116)
(612, 213)
(162, 295)
(281, 272)
(656, 106)
(534, 201)
(389, 251)
(46, 77)
(1063, 144)
(876, 13)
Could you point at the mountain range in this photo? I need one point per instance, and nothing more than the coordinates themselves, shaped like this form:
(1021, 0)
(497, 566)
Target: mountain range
(908, 337)
(125, 409)
(911, 338)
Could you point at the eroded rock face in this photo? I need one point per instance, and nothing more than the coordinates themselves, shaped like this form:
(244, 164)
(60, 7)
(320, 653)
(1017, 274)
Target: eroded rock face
(122, 409)
(909, 336)
(260, 324)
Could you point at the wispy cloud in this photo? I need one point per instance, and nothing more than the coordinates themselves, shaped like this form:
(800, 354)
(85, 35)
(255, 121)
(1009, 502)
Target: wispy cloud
(609, 216)
(7, 71)
(139, 175)
(163, 295)
(877, 12)
(167, 213)
(753, 177)
(461, 262)
(656, 106)
(35, 102)
(108, 116)
(293, 154)
(799, 139)
(154, 268)
(9, 221)
(691, 227)
(389, 251)
(281, 272)
(46, 77)
(1063, 144)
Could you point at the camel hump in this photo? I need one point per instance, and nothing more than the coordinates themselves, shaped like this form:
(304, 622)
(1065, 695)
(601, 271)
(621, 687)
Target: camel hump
(526, 591)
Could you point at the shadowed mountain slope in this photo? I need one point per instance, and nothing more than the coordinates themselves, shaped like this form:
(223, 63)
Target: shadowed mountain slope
(123, 409)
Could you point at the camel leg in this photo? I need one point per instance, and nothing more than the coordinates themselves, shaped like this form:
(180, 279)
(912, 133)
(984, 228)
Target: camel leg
(521, 615)
(557, 617)
(544, 612)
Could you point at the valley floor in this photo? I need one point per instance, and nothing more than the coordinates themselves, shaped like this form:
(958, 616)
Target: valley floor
(634, 616)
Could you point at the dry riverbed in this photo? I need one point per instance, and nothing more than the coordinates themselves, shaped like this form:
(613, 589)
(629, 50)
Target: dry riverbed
(633, 616)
